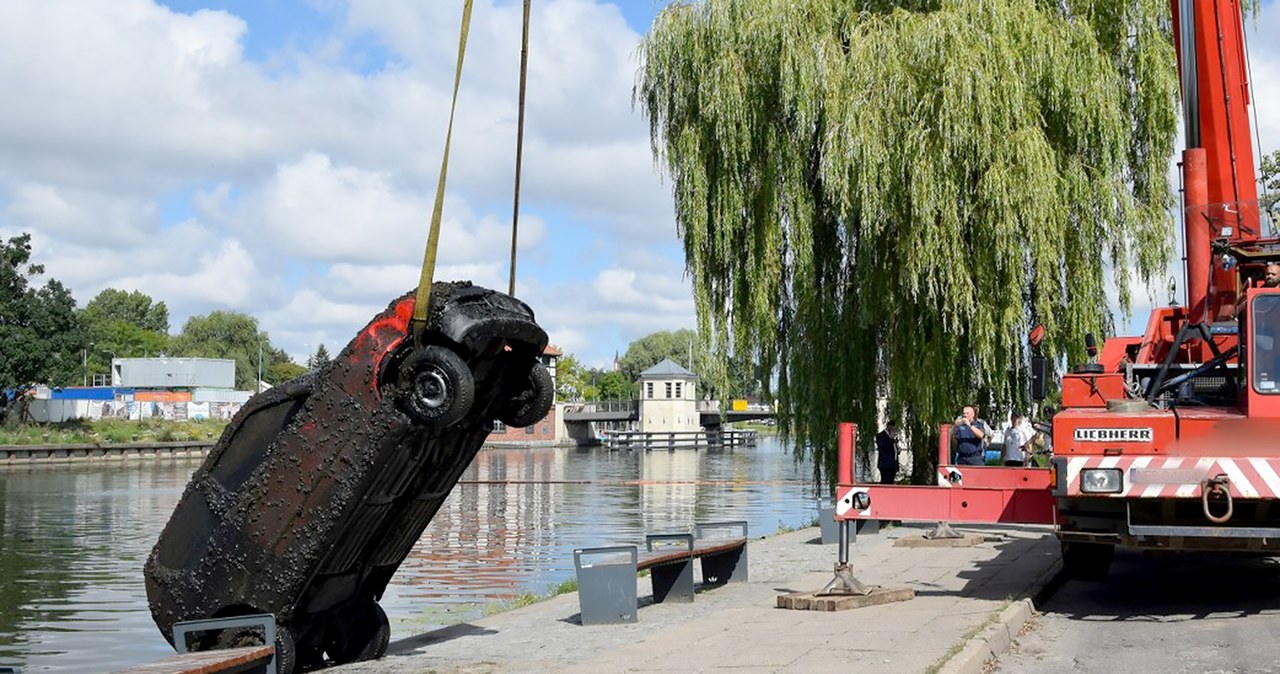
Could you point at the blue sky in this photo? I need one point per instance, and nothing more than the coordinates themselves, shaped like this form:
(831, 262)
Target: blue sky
(279, 157)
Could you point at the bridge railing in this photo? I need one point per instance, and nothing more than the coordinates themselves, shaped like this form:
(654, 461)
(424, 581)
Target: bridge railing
(602, 406)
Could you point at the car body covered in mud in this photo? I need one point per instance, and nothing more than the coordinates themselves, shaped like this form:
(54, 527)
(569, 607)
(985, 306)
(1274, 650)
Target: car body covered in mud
(319, 488)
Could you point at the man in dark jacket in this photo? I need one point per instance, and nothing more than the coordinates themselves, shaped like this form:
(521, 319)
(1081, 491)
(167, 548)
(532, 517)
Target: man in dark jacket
(887, 453)
(971, 435)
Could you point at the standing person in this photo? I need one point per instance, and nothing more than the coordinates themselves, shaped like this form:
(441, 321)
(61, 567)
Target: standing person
(887, 453)
(1015, 441)
(1044, 431)
(972, 435)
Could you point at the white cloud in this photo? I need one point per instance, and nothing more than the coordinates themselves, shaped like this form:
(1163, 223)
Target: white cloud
(222, 277)
(85, 216)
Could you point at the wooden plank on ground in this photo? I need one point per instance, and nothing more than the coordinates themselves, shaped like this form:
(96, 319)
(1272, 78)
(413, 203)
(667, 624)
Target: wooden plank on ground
(207, 662)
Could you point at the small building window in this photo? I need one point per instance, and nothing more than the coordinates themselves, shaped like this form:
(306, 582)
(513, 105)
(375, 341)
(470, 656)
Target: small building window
(668, 390)
(499, 427)
(529, 430)
(679, 390)
(648, 390)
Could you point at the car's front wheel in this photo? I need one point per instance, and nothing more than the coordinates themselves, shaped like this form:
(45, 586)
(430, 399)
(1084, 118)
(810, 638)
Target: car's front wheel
(534, 393)
(436, 387)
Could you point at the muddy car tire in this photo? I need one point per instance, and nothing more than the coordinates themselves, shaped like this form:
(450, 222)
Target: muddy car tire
(286, 651)
(534, 396)
(436, 387)
(362, 634)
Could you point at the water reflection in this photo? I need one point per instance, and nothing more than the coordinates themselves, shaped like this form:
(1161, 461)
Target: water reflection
(73, 538)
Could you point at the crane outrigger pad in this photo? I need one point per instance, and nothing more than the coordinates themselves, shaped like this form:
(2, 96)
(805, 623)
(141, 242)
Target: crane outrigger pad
(319, 488)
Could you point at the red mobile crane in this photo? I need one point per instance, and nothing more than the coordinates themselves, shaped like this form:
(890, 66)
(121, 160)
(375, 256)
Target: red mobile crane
(1168, 440)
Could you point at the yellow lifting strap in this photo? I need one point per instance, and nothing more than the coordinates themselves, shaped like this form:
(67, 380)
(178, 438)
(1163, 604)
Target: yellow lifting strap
(423, 300)
(515, 206)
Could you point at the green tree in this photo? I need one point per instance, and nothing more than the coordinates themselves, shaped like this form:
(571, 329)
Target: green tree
(279, 368)
(1269, 181)
(615, 386)
(227, 334)
(649, 350)
(41, 340)
(134, 308)
(319, 358)
(880, 196)
(571, 378)
(124, 325)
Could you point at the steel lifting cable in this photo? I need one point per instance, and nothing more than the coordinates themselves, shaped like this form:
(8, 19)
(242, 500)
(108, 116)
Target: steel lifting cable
(515, 207)
(423, 299)
(1257, 135)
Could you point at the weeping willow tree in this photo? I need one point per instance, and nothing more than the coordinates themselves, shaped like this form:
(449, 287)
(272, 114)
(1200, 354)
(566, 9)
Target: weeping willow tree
(881, 198)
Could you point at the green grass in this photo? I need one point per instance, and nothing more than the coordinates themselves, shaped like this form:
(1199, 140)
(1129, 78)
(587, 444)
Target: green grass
(518, 601)
(566, 587)
(785, 529)
(79, 432)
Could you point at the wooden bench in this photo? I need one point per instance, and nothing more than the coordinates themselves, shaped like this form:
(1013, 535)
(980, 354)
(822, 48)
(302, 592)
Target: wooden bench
(226, 661)
(607, 576)
(244, 660)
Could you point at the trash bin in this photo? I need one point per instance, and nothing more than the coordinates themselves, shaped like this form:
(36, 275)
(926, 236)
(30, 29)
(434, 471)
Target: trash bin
(828, 524)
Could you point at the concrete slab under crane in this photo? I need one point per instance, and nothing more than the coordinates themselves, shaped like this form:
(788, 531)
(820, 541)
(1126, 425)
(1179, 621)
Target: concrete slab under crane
(963, 541)
(811, 601)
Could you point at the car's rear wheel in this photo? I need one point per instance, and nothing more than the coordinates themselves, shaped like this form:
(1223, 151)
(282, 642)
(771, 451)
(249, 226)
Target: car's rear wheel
(286, 657)
(362, 632)
(436, 386)
(534, 394)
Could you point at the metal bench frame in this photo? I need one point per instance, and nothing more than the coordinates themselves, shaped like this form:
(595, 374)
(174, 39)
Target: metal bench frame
(266, 621)
(607, 580)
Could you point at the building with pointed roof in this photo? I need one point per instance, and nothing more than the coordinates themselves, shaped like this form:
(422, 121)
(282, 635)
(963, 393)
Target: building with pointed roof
(669, 398)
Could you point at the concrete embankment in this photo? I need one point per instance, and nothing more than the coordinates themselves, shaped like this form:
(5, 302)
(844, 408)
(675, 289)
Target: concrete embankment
(969, 602)
(13, 455)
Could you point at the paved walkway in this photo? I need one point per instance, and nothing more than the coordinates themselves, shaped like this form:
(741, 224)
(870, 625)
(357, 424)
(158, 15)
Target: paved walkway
(961, 593)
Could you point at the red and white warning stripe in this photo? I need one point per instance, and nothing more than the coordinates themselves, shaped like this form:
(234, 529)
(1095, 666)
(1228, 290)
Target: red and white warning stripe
(1181, 477)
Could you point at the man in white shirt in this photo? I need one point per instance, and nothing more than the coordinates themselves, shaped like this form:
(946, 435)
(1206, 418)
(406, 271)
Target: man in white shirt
(1015, 440)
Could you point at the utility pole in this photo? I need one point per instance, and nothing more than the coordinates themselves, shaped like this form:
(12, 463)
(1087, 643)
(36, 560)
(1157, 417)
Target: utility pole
(259, 366)
(85, 362)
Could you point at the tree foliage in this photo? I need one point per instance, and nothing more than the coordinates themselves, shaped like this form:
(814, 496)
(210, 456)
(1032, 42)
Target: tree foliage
(227, 334)
(881, 197)
(123, 325)
(40, 334)
(571, 378)
(319, 358)
(135, 308)
(649, 350)
(1269, 181)
(278, 367)
(615, 386)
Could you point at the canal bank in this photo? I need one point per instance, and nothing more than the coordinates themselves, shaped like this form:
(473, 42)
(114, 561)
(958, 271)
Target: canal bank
(968, 602)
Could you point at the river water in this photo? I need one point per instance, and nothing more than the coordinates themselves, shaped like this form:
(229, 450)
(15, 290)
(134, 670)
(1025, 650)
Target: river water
(73, 538)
